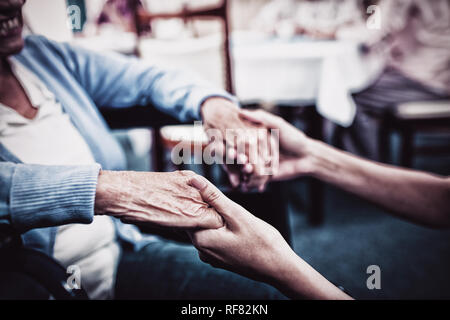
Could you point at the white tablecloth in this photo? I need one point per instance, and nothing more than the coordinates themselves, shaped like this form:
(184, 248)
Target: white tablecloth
(303, 72)
(284, 71)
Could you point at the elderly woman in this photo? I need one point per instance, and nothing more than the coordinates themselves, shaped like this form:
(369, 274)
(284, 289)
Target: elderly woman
(60, 188)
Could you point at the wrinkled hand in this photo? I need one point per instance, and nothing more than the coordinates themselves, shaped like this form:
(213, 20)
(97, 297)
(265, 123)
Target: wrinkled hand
(158, 198)
(294, 158)
(245, 245)
(239, 141)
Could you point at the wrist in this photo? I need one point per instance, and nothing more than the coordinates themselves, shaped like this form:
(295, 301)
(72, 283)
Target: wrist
(107, 191)
(308, 157)
(214, 107)
(288, 270)
(312, 153)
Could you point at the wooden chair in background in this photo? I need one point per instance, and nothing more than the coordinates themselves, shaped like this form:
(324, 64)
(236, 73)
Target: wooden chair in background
(410, 119)
(143, 20)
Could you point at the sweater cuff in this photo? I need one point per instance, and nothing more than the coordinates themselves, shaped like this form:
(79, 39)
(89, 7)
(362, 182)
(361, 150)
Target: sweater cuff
(45, 196)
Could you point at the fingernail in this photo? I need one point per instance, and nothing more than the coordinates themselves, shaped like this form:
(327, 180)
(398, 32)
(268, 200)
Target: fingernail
(198, 183)
(231, 153)
(234, 181)
(242, 158)
(248, 168)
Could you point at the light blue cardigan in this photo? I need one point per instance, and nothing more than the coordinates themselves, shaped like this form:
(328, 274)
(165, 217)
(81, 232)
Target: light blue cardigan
(35, 199)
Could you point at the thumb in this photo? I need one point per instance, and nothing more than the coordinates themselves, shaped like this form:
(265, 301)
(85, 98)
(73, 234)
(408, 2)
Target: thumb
(260, 116)
(228, 209)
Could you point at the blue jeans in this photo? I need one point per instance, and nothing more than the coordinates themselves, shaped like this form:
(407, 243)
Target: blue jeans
(170, 270)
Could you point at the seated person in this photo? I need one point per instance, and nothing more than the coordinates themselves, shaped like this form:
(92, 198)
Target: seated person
(59, 185)
(414, 42)
(409, 39)
(251, 247)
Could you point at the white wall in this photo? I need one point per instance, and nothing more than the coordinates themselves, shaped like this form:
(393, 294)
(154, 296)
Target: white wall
(48, 17)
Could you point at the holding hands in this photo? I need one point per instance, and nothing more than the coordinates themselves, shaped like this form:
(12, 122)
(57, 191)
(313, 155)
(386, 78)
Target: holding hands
(260, 145)
(247, 147)
(229, 237)
(226, 235)
(245, 244)
(253, 248)
(294, 145)
(157, 198)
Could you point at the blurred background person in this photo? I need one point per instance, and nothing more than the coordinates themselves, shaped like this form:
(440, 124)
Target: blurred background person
(410, 37)
(414, 41)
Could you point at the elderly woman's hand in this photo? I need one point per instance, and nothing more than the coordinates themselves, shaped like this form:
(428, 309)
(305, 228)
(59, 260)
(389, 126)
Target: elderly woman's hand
(249, 146)
(158, 198)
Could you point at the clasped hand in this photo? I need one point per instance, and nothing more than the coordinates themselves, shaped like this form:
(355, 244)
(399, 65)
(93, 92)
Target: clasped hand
(266, 148)
(157, 198)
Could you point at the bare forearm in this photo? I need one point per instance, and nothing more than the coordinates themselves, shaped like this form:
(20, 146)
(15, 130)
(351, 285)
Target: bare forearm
(298, 280)
(417, 196)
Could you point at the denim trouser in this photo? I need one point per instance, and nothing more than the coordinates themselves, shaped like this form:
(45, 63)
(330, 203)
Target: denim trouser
(170, 270)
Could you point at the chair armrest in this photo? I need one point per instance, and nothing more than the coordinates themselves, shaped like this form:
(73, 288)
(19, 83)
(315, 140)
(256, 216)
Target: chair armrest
(41, 268)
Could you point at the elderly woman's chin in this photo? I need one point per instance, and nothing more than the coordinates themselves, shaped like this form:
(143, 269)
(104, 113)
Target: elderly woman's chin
(10, 47)
(11, 41)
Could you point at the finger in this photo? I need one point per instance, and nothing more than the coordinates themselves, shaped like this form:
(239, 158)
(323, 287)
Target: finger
(233, 175)
(262, 161)
(242, 158)
(257, 182)
(234, 179)
(263, 149)
(230, 139)
(231, 155)
(217, 151)
(220, 156)
(232, 172)
(214, 197)
(262, 187)
(241, 149)
(247, 169)
(274, 154)
(208, 239)
(259, 116)
(209, 219)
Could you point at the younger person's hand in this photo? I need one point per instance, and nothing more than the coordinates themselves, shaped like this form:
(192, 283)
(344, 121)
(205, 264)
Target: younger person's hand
(246, 244)
(234, 137)
(253, 248)
(294, 145)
